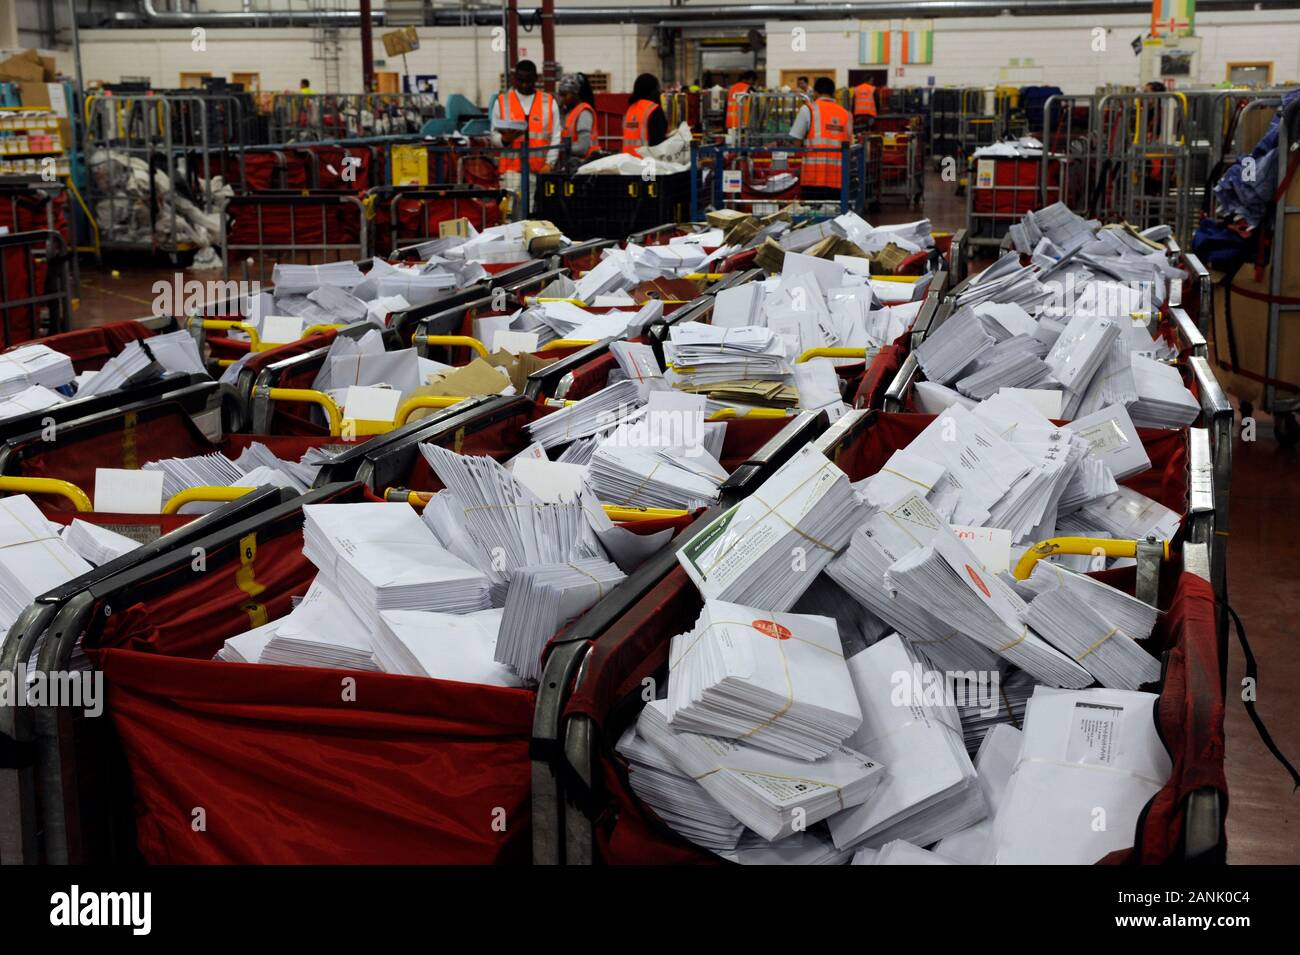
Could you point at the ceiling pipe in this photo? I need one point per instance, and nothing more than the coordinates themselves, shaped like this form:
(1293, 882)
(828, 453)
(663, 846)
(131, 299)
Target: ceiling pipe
(490, 16)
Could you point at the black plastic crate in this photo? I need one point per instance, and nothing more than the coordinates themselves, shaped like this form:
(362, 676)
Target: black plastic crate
(601, 207)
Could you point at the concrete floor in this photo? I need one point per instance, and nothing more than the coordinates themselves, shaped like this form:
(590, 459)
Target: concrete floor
(1263, 566)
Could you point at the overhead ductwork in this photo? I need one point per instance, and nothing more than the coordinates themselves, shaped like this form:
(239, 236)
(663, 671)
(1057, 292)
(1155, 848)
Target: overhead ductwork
(149, 15)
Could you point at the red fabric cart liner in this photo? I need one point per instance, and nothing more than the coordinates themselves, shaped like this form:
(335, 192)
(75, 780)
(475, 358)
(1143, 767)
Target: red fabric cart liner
(287, 771)
(416, 771)
(89, 348)
(878, 376)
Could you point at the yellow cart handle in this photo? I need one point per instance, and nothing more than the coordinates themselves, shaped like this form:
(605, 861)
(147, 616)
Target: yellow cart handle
(832, 353)
(224, 325)
(411, 405)
(34, 485)
(465, 340)
(567, 343)
(1077, 545)
(726, 414)
(204, 493)
(706, 276)
(539, 299)
(311, 396)
(320, 329)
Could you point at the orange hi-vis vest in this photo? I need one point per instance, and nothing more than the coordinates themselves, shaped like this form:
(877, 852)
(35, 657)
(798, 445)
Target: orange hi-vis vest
(636, 125)
(830, 129)
(570, 132)
(864, 100)
(733, 105)
(539, 130)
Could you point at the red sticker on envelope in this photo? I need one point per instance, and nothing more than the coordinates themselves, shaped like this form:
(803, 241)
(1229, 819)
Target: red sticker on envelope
(772, 629)
(978, 583)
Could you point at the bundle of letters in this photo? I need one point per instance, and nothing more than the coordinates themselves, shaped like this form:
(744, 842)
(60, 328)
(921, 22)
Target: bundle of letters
(35, 377)
(854, 731)
(369, 383)
(327, 629)
(145, 491)
(1072, 327)
(549, 554)
(34, 558)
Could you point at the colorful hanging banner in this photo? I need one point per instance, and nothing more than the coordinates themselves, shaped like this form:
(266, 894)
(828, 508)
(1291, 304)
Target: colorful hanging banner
(873, 47)
(918, 46)
(916, 42)
(1173, 17)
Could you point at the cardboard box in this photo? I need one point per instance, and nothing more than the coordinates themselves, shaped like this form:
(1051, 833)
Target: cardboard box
(398, 42)
(541, 237)
(24, 67)
(454, 228)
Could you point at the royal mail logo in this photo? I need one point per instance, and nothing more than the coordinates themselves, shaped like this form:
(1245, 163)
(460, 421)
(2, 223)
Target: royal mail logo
(772, 629)
(978, 582)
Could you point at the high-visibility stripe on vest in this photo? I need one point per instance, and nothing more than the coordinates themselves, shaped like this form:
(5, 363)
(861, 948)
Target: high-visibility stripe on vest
(636, 125)
(539, 129)
(831, 127)
(733, 105)
(864, 100)
(570, 132)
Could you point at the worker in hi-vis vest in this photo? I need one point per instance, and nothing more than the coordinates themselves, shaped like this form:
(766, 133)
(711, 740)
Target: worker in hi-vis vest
(825, 126)
(735, 119)
(864, 105)
(524, 109)
(578, 105)
(644, 123)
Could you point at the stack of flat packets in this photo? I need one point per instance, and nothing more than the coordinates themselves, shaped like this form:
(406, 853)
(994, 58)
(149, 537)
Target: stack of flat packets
(383, 557)
(930, 788)
(1096, 625)
(767, 550)
(774, 680)
(502, 517)
(541, 600)
(767, 792)
(676, 798)
(597, 412)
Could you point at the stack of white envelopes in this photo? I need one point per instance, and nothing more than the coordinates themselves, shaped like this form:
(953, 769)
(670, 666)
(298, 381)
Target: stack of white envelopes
(651, 477)
(33, 558)
(543, 598)
(1067, 621)
(383, 557)
(444, 646)
(1163, 400)
(777, 681)
(930, 788)
(97, 544)
(678, 800)
(768, 792)
(704, 354)
(951, 581)
(597, 412)
(767, 550)
(33, 365)
(322, 631)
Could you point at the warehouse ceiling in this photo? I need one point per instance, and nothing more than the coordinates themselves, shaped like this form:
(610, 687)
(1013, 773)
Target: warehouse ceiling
(165, 13)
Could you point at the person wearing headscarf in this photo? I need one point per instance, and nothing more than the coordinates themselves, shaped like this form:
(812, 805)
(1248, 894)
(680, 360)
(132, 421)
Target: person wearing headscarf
(644, 123)
(578, 106)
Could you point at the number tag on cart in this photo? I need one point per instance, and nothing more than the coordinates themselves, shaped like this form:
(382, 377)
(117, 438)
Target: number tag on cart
(731, 180)
(984, 174)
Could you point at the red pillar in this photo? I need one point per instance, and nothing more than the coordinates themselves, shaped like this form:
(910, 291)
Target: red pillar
(549, 65)
(367, 50)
